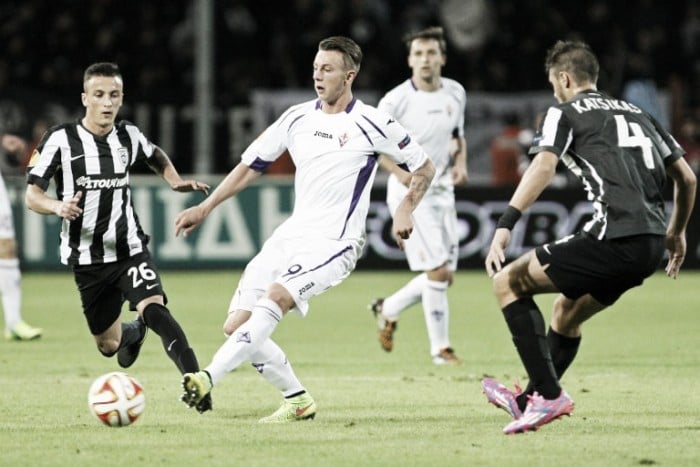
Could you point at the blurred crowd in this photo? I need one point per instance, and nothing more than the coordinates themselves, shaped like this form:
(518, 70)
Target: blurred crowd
(644, 46)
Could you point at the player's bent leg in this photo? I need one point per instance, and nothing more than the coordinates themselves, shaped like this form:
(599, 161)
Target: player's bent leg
(568, 315)
(523, 277)
(108, 340)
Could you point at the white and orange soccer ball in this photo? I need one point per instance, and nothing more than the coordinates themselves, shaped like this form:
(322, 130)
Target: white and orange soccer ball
(116, 399)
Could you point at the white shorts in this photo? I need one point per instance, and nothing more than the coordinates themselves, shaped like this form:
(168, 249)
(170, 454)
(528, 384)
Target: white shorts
(7, 226)
(304, 266)
(434, 240)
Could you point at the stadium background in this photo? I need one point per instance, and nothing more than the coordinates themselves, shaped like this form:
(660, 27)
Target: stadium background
(203, 77)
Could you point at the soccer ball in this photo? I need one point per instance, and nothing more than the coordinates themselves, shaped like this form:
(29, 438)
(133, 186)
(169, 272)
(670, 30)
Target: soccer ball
(116, 399)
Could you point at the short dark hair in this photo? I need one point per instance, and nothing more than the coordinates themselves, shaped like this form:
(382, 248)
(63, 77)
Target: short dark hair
(352, 53)
(434, 32)
(576, 57)
(101, 69)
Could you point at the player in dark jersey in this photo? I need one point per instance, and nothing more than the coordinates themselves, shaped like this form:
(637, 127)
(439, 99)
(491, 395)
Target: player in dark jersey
(622, 157)
(101, 238)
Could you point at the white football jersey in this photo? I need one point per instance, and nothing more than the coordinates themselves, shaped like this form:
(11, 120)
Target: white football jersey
(336, 159)
(432, 118)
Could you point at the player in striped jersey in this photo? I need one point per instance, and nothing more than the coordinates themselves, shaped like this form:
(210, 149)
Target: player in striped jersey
(622, 157)
(432, 108)
(334, 142)
(101, 238)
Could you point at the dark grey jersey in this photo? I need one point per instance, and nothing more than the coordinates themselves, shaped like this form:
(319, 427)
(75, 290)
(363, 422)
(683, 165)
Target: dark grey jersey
(619, 153)
(97, 166)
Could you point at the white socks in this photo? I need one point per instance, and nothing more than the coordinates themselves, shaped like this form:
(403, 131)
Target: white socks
(10, 288)
(436, 308)
(272, 364)
(406, 296)
(246, 340)
(437, 315)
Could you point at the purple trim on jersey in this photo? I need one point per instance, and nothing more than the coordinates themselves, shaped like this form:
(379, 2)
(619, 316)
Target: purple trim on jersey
(294, 121)
(364, 133)
(362, 178)
(375, 126)
(259, 165)
(325, 263)
(319, 104)
(350, 106)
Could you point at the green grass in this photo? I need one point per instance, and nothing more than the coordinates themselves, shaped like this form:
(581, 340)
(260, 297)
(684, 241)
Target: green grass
(635, 384)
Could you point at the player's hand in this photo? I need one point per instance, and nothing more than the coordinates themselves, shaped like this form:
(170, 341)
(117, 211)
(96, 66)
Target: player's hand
(188, 220)
(402, 227)
(497, 256)
(186, 186)
(69, 210)
(676, 246)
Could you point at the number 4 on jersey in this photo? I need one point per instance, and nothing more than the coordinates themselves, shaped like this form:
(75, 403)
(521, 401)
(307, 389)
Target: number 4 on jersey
(631, 135)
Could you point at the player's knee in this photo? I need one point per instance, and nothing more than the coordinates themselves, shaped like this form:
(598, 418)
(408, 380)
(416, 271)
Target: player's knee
(234, 321)
(441, 274)
(281, 296)
(501, 283)
(108, 348)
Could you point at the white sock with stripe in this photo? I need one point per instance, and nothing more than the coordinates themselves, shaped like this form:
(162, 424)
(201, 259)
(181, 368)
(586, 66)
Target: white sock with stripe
(272, 364)
(403, 298)
(246, 340)
(437, 314)
(10, 288)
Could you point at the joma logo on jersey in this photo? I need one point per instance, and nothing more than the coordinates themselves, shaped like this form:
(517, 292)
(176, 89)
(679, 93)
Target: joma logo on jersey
(323, 135)
(306, 287)
(404, 142)
(90, 183)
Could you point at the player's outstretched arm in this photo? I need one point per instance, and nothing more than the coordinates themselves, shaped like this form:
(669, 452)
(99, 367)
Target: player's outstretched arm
(420, 182)
(161, 164)
(685, 185)
(535, 179)
(240, 177)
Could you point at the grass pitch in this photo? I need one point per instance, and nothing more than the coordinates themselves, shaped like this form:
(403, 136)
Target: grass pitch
(634, 382)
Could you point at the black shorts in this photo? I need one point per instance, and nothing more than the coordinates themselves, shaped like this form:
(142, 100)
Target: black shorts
(580, 264)
(104, 288)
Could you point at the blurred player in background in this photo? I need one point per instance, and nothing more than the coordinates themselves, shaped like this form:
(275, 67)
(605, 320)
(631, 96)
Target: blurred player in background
(432, 108)
(623, 157)
(334, 142)
(10, 276)
(101, 238)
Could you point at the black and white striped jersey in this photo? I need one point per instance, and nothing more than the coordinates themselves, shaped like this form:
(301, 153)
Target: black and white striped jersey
(98, 166)
(619, 152)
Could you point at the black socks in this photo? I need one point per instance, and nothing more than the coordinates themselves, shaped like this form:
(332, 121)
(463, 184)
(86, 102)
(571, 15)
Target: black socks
(158, 318)
(527, 327)
(563, 350)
